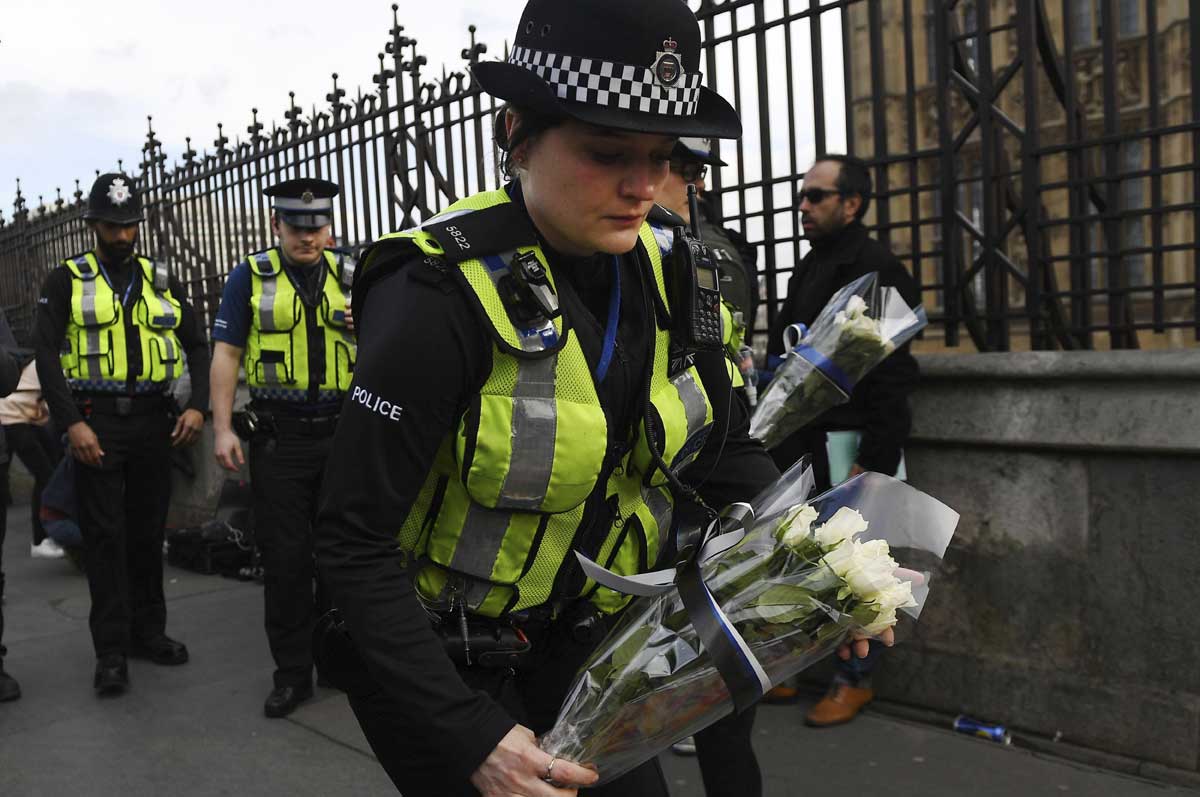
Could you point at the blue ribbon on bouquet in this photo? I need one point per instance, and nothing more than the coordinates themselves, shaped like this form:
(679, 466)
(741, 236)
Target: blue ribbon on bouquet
(744, 676)
(819, 361)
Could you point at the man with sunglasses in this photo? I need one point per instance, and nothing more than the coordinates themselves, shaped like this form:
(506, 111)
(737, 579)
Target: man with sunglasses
(832, 204)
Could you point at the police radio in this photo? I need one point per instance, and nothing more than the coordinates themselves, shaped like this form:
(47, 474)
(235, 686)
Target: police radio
(696, 293)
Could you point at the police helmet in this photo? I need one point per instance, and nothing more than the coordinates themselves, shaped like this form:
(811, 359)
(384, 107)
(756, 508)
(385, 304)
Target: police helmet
(114, 199)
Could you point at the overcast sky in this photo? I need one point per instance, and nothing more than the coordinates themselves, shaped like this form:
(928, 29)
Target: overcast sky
(79, 77)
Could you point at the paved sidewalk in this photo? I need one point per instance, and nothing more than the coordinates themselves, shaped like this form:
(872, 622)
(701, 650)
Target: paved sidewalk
(199, 729)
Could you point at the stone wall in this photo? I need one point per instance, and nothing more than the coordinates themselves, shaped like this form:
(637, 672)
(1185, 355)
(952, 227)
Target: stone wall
(1068, 605)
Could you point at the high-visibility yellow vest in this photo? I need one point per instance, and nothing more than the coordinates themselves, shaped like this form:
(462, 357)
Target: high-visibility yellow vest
(94, 355)
(498, 517)
(284, 328)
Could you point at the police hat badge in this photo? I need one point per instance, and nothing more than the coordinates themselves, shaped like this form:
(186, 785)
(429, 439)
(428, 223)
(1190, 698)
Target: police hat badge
(304, 201)
(667, 66)
(114, 198)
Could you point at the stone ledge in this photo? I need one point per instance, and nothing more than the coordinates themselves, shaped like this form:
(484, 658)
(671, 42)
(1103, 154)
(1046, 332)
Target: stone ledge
(1179, 364)
(1069, 401)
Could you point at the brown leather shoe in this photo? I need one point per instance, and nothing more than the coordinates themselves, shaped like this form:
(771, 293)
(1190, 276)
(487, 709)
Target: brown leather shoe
(842, 704)
(781, 695)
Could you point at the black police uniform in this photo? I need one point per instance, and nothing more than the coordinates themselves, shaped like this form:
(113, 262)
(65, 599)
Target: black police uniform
(381, 465)
(123, 503)
(289, 447)
(737, 259)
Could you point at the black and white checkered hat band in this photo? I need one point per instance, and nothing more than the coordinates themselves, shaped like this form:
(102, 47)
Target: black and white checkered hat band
(610, 84)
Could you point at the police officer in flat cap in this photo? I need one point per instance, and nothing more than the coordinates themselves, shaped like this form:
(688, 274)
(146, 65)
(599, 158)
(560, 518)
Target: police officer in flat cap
(734, 255)
(284, 313)
(113, 330)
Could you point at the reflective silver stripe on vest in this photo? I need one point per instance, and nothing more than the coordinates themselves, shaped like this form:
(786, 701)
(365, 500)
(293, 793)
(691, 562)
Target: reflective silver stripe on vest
(162, 276)
(479, 542)
(266, 304)
(661, 510)
(534, 424)
(87, 302)
(172, 354)
(695, 407)
(91, 328)
(166, 316)
(273, 373)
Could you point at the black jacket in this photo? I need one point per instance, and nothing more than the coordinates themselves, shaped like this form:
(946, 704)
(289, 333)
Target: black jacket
(879, 405)
(424, 348)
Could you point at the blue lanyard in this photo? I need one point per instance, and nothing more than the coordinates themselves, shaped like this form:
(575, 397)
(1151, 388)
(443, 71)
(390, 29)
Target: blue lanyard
(610, 329)
(128, 288)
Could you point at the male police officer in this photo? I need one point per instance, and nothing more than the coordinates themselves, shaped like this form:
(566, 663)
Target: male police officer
(111, 332)
(284, 309)
(735, 256)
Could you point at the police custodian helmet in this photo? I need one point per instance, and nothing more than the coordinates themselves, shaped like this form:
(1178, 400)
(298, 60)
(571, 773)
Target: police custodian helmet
(114, 199)
(626, 64)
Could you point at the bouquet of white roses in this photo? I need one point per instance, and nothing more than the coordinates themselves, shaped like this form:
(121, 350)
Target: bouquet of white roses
(860, 326)
(805, 577)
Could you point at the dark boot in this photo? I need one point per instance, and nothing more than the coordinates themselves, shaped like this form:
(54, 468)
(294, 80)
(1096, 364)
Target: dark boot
(160, 650)
(112, 675)
(283, 700)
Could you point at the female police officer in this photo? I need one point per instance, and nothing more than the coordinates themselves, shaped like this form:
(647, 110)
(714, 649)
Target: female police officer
(523, 391)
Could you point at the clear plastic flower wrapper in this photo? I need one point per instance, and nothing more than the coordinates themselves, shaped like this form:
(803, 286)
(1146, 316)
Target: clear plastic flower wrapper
(805, 577)
(861, 325)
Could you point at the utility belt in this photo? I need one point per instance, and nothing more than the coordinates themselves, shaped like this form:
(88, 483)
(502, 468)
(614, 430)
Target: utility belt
(471, 641)
(90, 404)
(253, 422)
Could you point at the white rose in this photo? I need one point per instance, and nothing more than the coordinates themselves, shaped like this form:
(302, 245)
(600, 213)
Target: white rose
(840, 559)
(871, 569)
(856, 306)
(844, 525)
(863, 327)
(798, 521)
(884, 620)
(895, 596)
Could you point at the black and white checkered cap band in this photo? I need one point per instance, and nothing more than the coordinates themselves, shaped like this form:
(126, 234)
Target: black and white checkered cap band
(614, 85)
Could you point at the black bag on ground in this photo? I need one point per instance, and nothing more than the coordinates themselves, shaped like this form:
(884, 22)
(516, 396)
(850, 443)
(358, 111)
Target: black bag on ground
(214, 548)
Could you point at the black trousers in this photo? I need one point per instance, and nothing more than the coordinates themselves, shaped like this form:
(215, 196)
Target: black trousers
(285, 474)
(122, 510)
(725, 752)
(40, 452)
(532, 697)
